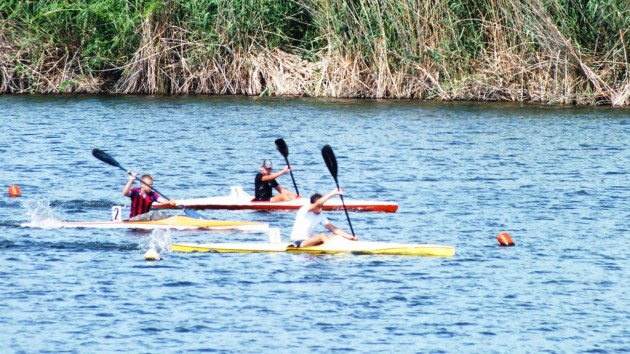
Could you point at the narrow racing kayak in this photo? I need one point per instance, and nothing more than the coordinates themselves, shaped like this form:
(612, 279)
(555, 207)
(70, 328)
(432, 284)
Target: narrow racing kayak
(240, 200)
(336, 245)
(177, 222)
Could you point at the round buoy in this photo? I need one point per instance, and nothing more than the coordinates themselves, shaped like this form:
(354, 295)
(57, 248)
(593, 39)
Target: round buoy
(14, 190)
(505, 239)
(152, 255)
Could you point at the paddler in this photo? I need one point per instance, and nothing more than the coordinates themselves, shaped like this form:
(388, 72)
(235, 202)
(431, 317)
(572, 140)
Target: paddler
(143, 197)
(265, 182)
(309, 216)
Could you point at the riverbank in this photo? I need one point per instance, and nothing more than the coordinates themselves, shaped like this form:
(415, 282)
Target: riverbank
(532, 51)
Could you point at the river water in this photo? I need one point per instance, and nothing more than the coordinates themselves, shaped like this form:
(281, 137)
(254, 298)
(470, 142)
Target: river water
(555, 178)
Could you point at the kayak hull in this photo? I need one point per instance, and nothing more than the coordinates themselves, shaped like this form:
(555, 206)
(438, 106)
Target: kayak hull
(239, 200)
(177, 222)
(331, 247)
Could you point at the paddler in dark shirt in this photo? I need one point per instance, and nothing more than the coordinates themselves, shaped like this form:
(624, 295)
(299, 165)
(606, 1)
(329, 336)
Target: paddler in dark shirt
(142, 198)
(265, 182)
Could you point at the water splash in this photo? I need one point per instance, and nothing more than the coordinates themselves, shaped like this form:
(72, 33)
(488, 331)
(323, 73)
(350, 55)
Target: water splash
(158, 240)
(41, 214)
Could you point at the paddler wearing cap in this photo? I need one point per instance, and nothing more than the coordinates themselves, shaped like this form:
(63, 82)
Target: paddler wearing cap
(265, 182)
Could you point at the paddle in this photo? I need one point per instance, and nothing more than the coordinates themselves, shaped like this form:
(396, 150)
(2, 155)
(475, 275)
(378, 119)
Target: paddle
(105, 157)
(331, 163)
(284, 151)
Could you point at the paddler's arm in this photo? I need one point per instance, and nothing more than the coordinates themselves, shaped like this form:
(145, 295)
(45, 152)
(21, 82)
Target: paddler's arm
(271, 177)
(339, 232)
(320, 202)
(166, 201)
(126, 189)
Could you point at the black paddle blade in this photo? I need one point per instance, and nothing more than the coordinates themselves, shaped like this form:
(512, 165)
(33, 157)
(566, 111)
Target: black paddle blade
(330, 159)
(282, 147)
(331, 163)
(103, 156)
(284, 150)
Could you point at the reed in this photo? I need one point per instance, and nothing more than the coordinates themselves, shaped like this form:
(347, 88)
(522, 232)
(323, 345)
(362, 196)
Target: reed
(546, 51)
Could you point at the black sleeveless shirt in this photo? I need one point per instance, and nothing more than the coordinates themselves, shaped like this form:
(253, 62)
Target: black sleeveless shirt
(264, 190)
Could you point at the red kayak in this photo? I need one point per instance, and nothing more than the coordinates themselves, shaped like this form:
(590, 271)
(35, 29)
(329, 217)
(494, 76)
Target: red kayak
(240, 200)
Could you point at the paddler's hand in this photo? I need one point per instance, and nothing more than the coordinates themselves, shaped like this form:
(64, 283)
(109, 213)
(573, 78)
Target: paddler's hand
(346, 235)
(286, 169)
(132, 176)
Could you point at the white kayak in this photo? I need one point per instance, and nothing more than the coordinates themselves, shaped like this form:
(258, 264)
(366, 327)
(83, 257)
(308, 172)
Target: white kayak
(334, 246)
(241, 200)
(177, 222)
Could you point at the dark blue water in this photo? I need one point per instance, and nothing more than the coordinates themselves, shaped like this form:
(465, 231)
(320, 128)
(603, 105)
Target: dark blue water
(555, 178)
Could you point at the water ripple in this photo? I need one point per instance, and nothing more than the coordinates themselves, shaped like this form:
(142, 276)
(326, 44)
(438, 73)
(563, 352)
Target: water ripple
(552, 177)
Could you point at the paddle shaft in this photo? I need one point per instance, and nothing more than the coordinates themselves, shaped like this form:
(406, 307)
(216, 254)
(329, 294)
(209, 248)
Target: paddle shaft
(291, 173)
(103, 156)
(284, 151)
(344, 208)
(145, 183)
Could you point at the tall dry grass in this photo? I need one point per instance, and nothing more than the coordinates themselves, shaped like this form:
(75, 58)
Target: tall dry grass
(547, 51)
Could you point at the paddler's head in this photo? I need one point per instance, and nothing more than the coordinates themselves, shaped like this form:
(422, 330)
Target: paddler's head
(266, 166)
(148, 183)
(314, 198)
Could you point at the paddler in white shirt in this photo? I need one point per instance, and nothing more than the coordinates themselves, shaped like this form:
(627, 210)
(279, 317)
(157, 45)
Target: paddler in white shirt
(309, 217)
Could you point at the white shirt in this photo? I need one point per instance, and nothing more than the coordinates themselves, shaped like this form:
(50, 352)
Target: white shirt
(305, 223)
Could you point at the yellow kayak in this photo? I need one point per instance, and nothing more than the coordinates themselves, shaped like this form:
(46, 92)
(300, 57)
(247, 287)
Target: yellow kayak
(177, 222)
(336, 245)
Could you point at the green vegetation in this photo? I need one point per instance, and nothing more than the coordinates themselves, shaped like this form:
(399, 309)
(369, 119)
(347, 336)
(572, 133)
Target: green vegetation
(548, 51)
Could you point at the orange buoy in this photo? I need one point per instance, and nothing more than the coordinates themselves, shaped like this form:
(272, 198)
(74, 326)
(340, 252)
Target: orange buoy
(14, 190)
(505, 239)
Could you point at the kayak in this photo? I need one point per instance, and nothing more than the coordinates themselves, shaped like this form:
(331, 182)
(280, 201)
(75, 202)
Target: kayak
(177, 222)
(334, 246)
(241, 200)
